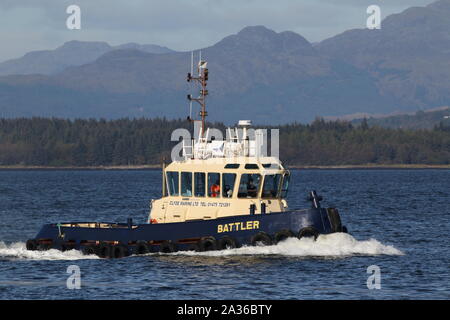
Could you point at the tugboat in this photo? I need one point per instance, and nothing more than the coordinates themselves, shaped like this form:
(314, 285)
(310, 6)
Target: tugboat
(219, 194)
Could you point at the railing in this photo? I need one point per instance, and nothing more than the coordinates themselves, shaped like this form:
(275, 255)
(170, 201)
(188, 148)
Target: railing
(232, 147)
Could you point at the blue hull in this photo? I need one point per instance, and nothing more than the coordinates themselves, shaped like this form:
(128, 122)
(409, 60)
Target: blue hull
(169, 237)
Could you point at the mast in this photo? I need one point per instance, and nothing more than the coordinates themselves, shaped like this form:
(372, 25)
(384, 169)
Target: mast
(202, 79)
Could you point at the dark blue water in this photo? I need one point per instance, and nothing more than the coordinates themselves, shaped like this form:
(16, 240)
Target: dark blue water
(399, 220)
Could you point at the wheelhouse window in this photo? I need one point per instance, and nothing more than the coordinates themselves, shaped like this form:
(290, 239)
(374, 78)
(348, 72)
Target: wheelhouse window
(172, 182)
(285, 186)
(249, 185)
(228, 180)
(251, 166)
(274, 166)
(271, 185)
(232, 166)
(186, 184)
(214, 185)
(199, 184)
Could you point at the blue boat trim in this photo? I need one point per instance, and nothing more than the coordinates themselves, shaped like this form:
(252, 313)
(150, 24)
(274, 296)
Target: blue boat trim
(181, 235)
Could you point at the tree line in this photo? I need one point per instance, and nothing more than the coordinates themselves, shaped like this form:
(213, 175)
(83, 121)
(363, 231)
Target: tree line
(92, 142)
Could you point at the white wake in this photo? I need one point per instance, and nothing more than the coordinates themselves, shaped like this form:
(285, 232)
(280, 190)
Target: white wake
(332, 245)
(19, 251)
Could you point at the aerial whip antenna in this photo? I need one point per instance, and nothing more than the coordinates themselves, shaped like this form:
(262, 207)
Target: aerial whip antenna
(202, 79)
(192, 71)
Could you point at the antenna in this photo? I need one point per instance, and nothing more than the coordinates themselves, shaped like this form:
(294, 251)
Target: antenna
(192, 71)
(202, 80)
(199, 61)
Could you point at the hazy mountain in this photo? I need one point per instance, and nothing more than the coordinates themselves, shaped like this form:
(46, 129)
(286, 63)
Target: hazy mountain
(418, 120)
(409, 56)
(150, 48)
(72, 53)
(258, 74)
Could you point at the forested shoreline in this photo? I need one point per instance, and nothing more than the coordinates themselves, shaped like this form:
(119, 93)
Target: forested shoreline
(135, 142)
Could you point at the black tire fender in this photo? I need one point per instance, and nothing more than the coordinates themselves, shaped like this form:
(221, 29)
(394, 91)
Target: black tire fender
(226, 242)
(31, 245)
(89, 250)
(142, 247)
(207, 244)
(44, 246)
(67, 246)
(193, 247)
(104, 250)
(167, 246)
(283, 235)
(308, 232)
(262, 237)
(118, 251)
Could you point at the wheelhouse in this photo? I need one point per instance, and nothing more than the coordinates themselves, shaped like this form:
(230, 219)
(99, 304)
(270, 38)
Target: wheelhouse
(230, 181)
(216, 187)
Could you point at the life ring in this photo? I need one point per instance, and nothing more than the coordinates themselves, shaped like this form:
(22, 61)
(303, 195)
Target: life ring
(261, 237)
(215, 190)
(283, 235)
(226, 242)
(167, 246)
(118, 251)
(308, 232)
(104, 250)
(207, 244)
(141, 247)
(31, 244)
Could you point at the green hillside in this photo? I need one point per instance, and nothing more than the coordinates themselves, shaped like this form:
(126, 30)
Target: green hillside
(59, 142)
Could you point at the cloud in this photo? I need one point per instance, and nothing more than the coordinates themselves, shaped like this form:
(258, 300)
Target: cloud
(178, 24)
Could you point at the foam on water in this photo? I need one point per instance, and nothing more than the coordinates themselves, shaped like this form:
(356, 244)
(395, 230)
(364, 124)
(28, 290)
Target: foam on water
(332, 245)
(19, 251)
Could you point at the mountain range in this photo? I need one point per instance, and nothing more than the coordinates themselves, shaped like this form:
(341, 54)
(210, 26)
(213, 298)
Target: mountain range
(428, 119)
(71, 53)
(255, 74)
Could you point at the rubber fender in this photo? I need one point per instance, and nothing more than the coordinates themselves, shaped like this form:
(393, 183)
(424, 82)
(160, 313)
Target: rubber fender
(89, 250)
(207, 244)
(67, 246)
(104, 250)
(142, 247)
(193, 247)
(261, 237)
(283, 235)
(118, 251)
(227, 242)
(308, 232)
(44, 246)
(31, 244)
(167, 246)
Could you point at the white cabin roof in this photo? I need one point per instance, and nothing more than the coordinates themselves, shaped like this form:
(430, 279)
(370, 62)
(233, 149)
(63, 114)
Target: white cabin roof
(239, 142)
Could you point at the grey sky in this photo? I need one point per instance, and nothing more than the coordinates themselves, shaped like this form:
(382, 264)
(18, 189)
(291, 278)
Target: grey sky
(27, 25)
